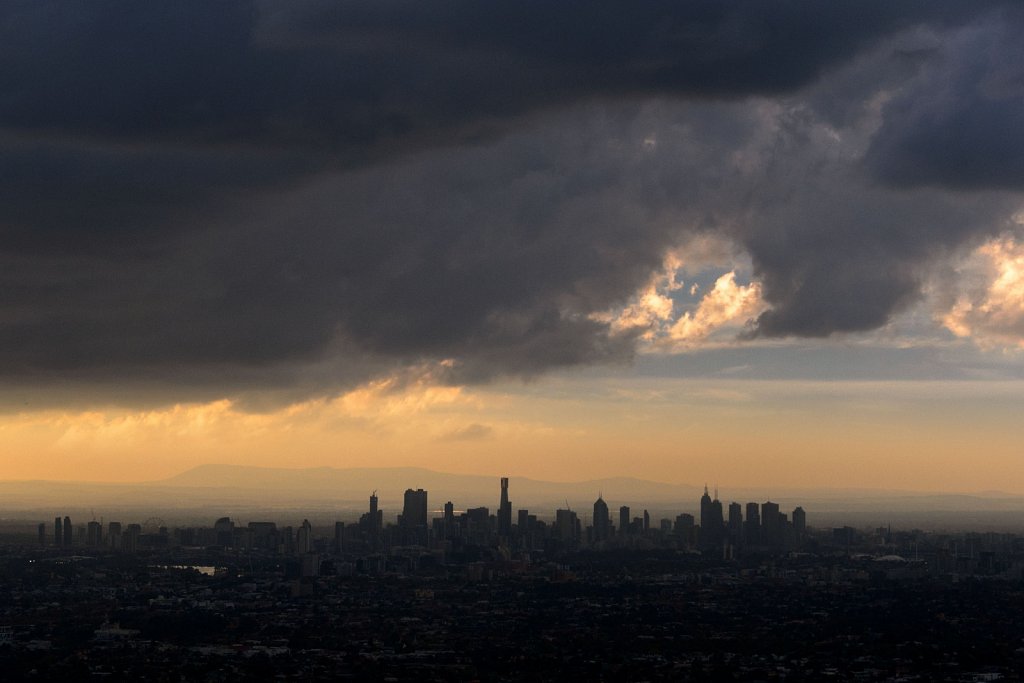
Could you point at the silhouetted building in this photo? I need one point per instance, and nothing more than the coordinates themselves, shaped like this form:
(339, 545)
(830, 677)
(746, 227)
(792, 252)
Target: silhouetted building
(686, 530)
(712, 522)
(372, 523)
(224, 532)
(414, 511)
(304, 538)
(339, 537)
(93, 534)
(131, 538)
(504, 511)
(752, 525)
(602, 521)
(799, 523)
(735, 523)
(114, 535)
(771, 525)
(567, 527)
(624, 520)
(68, 532)
(647, 521)
(58, 533)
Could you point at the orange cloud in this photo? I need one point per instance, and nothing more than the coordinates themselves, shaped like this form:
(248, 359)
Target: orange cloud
(991, 309)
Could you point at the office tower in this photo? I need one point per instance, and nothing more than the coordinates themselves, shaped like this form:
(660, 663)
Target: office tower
(567, 526)
(712, 522)
(375, 522)
(131, 538)
(799, 522)
(523, 521)
(414, 511)
(42, 533)
(448, 526)
(705, 509)
(224, 531)
(735, 523)
(686, 530)
(624, 520)
(339, 537)
(414, 517)
(68, 532)
(771, 526)
(304, 538)
(504, 511)
(602, 522)
(114, 535)
(647, 521)
(93, 533)
(58, 533)
(752, 525)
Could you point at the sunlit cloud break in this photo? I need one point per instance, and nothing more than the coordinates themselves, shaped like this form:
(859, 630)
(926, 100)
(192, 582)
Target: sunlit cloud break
(990, 310)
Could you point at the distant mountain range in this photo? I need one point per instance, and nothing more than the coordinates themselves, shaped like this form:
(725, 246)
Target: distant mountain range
(332, 491)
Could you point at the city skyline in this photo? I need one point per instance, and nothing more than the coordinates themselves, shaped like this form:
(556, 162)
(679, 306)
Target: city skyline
(684, 242)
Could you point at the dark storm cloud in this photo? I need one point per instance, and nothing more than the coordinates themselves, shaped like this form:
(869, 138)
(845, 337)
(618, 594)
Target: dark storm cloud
(301, 195)
(961, 125)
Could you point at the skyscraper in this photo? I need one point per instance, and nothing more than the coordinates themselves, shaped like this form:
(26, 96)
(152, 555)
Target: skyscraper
(414, 510)
(68, 532)
(414, 517)
(799, 522)
(58, 533)
(602, 522)
(752, 525)
(304, 538)
(735, 523)
(771, 525)
(712, 522)
(504, 511)
(624, 520)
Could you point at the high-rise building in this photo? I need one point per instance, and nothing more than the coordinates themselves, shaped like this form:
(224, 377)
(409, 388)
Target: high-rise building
(93, 534)
(339, 537)
(414, 517)
(374, 522)
(304, 538)
(647, 521)
(68, 532)
(705, 509)
(735, 523)
(567, 527)
(58, 533)
(131, 538)
(602, 522)
(504, 511)
(752, 525)
(224, 532)
(686, 529)
(624, 520)
(414, 511)
(799, 523)
(771, 525)
(712, 522)
(114, 535)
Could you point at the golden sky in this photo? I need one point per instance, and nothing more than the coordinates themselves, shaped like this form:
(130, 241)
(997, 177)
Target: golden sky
(930, 435)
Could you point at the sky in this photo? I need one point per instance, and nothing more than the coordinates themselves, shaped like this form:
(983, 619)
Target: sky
(758, 244)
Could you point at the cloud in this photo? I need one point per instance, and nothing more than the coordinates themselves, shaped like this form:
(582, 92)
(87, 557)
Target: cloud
(274, 201)
(471, 432)
(990, 309)
(726, 303)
